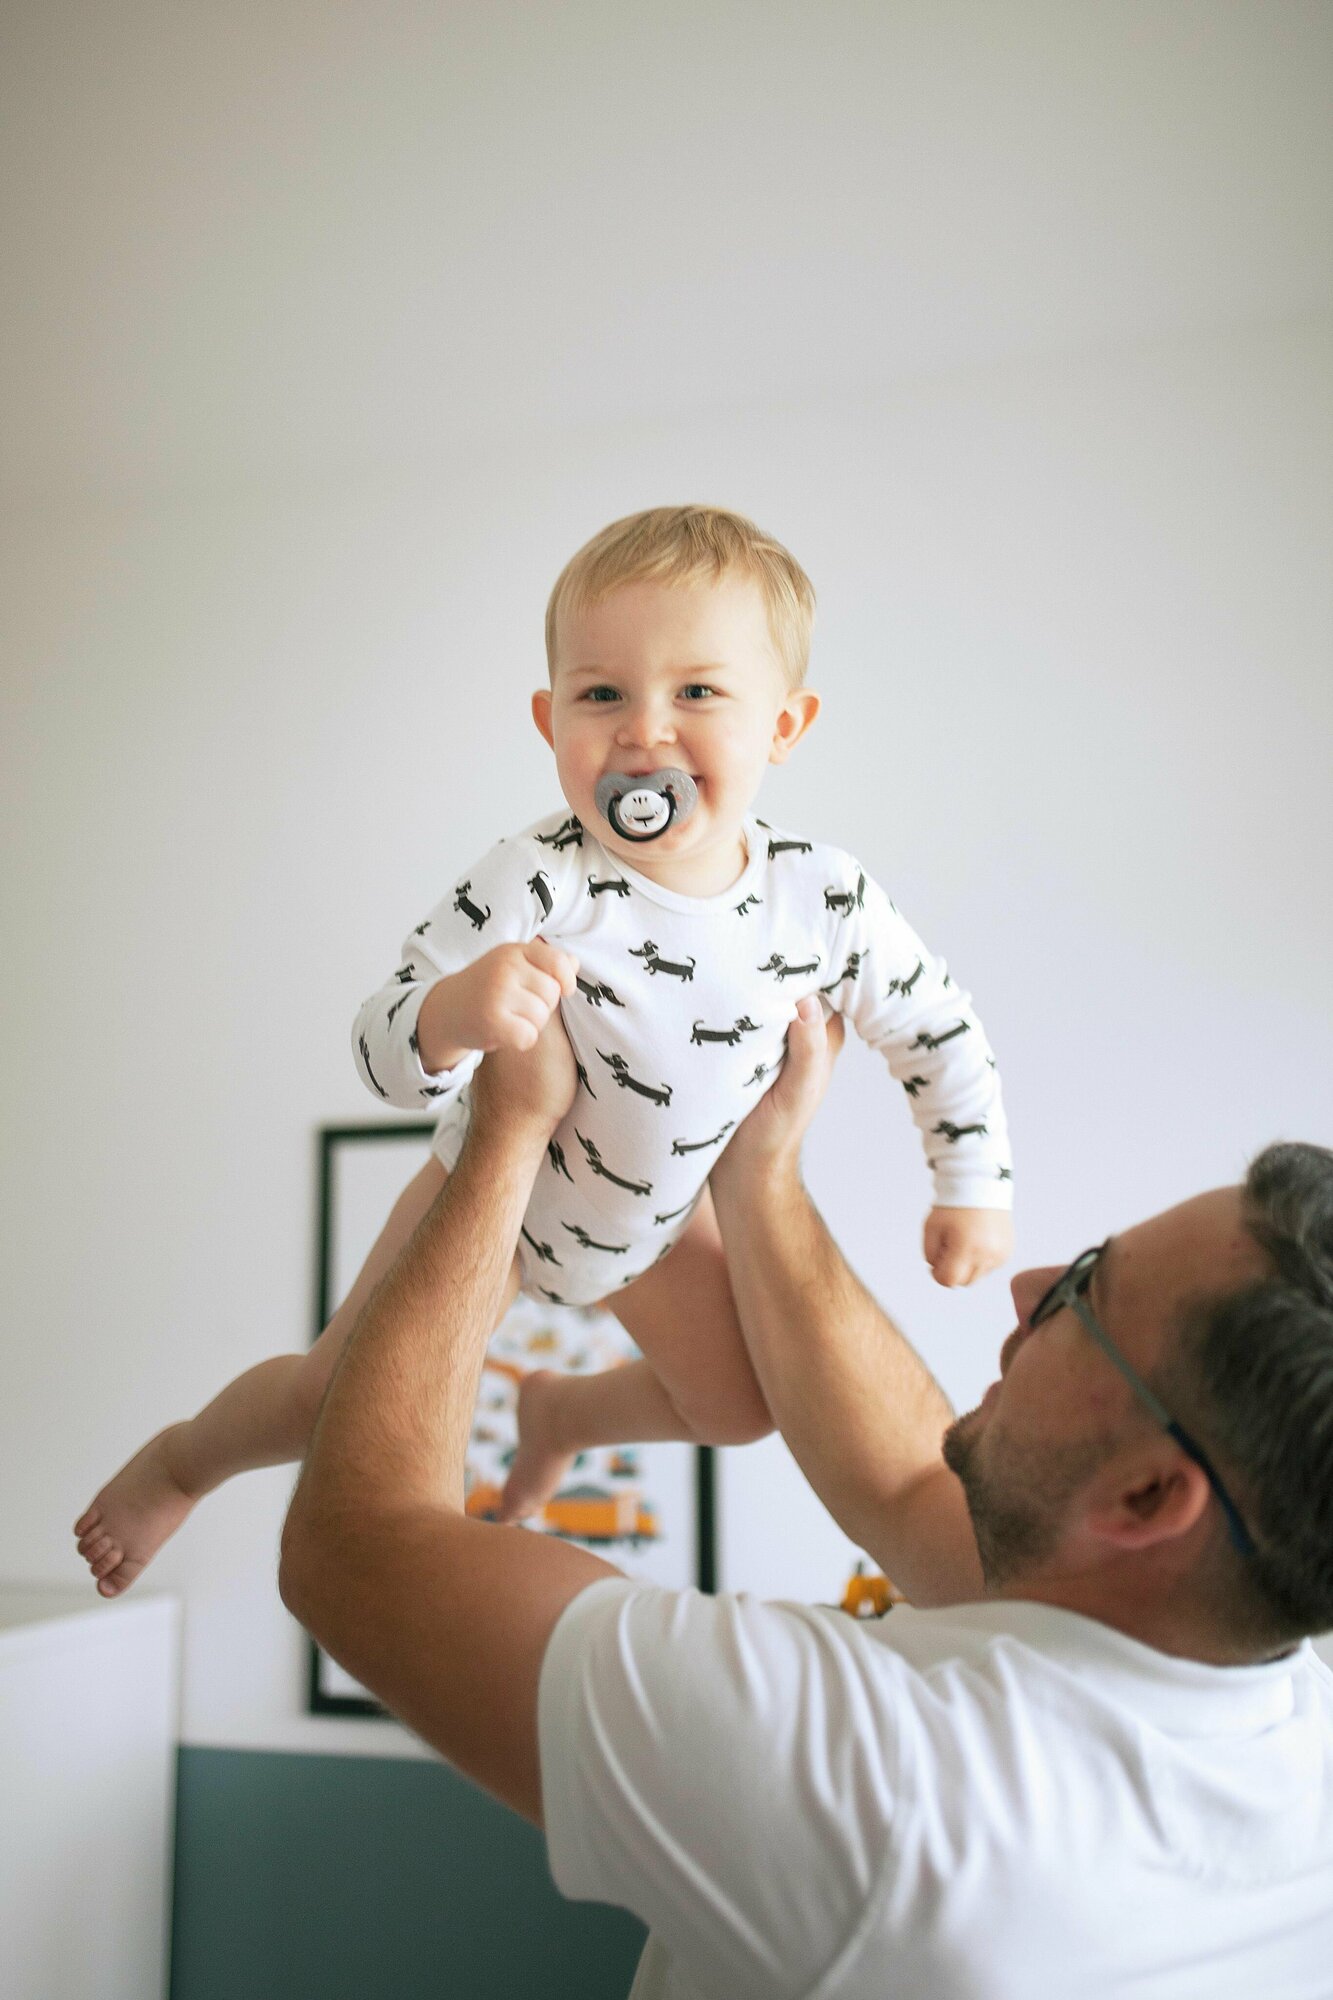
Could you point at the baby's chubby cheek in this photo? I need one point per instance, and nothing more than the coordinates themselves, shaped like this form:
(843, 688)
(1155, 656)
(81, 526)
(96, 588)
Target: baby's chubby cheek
(577, 776)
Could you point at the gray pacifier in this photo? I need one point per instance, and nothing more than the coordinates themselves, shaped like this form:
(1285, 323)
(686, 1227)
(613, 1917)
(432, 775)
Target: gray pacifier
(643, 808)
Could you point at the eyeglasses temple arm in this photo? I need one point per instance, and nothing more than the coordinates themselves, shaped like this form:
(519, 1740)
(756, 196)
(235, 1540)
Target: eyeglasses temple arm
(1136, 1382)
(1236, 1528)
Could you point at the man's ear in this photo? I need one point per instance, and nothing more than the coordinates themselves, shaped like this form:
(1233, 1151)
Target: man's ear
(1153, 1503)
(541, 713)
(795, 716)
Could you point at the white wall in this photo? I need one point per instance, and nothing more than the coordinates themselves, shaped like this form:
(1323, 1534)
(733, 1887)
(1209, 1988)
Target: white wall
(334, 332)
(250, 241)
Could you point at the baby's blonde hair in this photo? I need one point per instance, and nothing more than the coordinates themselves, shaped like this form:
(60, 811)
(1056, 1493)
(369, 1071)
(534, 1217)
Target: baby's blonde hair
(689, 545)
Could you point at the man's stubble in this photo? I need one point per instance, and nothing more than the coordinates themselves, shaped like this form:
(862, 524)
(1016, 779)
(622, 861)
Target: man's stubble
(1018, 1495)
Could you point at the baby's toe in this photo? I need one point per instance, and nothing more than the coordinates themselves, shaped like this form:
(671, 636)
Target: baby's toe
(87, 1521)
(121, 1578)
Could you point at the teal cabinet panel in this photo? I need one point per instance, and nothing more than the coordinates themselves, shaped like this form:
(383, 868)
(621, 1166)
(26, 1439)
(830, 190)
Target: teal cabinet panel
(365, 1878)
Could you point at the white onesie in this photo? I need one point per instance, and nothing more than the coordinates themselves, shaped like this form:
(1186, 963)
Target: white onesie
(678, 1028)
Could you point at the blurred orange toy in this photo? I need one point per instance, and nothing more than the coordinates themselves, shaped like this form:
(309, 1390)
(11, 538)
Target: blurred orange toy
(482, 1502)
(868, 1596)
(592, 1514)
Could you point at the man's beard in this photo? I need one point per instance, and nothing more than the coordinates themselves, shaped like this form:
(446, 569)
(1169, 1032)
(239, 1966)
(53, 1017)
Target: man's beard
(1018, 1499)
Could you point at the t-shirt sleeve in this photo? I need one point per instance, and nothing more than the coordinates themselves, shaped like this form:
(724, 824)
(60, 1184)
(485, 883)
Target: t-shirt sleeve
(904, 1003)
(725, 1769)
(508, 897)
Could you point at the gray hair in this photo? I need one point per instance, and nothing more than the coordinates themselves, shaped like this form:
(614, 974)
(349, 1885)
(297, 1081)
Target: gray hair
(1255, 1370)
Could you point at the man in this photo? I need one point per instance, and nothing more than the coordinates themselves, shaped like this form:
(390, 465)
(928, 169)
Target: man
(1094, 1750)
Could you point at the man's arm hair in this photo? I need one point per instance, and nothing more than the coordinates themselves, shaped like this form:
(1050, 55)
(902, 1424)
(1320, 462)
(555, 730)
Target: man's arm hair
(860, 1411)
(444, 1618)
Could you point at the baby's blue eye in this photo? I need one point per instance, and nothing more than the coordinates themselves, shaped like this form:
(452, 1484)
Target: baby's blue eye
(697, 689)
(601, 694)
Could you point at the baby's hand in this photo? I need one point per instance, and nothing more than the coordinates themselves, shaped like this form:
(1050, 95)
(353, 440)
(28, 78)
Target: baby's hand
(506, 998)
(964, 1243)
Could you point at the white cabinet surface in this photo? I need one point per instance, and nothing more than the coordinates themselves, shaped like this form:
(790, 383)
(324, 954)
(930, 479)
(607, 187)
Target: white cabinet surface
(88, 1724)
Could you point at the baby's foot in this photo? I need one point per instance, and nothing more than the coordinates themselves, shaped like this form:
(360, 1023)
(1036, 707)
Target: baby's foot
(132, 1516)
(540, 1466)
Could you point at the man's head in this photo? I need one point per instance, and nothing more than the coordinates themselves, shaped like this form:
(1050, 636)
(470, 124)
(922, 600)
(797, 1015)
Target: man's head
(677, 637)
(1224, 1306)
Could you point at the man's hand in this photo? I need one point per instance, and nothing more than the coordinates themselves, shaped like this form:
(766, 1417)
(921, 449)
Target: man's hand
(501, 1001)
(775, 1128)
(527, 1094)
(964, 1243)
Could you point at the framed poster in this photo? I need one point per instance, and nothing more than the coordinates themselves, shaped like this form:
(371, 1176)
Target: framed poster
(648, 1508)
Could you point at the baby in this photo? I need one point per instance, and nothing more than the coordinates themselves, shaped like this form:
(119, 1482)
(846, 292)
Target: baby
(677, 952)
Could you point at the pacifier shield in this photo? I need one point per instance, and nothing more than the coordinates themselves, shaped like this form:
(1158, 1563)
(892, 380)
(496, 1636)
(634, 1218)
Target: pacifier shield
(642, 808)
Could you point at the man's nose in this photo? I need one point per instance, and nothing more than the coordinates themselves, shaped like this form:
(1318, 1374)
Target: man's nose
(1028, 1288)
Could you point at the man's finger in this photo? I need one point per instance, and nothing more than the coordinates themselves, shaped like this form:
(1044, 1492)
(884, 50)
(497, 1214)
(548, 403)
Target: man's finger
(532, 1075)
(812, 1032)
(806, 1035)
(806, 1063)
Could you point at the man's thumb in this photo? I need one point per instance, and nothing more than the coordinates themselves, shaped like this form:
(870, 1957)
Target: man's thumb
(816, 1030)
(808, 1026)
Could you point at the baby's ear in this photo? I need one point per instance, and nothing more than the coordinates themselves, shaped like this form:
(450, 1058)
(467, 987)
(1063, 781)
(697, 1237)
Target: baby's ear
(541, 713)
(795, 716)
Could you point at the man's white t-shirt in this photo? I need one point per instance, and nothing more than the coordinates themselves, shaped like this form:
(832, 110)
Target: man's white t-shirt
(991, 1800)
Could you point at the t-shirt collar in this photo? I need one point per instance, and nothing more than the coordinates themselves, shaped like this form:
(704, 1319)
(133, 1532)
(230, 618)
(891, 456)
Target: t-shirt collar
(1187, 1697)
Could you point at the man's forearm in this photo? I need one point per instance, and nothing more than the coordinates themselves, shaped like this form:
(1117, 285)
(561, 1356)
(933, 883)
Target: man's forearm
(858, 1408)
(446, 1619)
(397, 1416)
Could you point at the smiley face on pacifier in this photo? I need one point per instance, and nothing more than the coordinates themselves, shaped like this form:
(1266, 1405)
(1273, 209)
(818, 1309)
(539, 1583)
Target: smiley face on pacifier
(644, 812)
(642, 808)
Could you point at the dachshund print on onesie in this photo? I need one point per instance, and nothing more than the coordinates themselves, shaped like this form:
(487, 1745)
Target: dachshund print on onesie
(678, 1025)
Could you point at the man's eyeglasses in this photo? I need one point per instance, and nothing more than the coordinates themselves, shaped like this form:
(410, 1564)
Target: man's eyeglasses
(1071, 1290)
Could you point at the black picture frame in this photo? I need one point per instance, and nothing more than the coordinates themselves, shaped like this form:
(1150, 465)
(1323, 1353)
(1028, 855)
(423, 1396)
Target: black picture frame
(329, 1690)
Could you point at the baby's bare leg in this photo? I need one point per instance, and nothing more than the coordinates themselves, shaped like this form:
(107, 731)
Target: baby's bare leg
(696, 1384)
(264, 1417)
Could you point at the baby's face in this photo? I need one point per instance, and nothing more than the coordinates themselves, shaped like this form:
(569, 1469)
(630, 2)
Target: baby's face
(669, 674)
